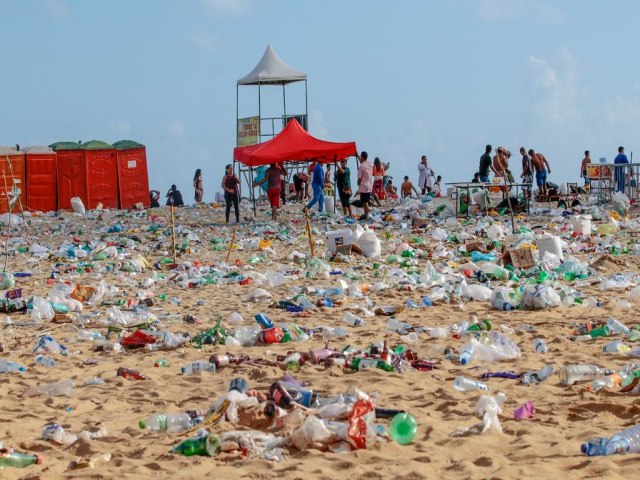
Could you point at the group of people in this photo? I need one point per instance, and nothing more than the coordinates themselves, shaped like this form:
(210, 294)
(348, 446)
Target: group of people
(532, 163)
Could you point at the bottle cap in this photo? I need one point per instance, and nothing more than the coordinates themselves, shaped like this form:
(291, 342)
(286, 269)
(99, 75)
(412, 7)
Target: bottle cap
(142, 424)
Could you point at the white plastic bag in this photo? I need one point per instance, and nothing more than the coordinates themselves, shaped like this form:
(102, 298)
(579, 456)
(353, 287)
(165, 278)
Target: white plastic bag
(77, 205)
(489, 407)
(369, 244)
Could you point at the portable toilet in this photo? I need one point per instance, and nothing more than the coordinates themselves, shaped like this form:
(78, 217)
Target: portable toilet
(12, 189)
(41, 179)
(102, 174)
(133, 174)
(72, 173)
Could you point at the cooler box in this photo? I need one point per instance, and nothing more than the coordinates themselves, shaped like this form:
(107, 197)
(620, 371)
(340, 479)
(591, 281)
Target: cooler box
(12, 185)
(41, 179)
(102, 175)
(133, 175)
(72, 173)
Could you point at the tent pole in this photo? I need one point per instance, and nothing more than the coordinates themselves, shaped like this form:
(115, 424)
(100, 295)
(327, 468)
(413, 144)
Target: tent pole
(335, 184)
(253, 194)
(284, 104)
(259, 114)
(306, 107)
(237, 145)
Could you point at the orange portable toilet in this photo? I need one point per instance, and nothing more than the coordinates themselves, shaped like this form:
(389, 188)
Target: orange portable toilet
(72, 173)
(102, 174)
(12, 187)
(133, 175)
(41, 179)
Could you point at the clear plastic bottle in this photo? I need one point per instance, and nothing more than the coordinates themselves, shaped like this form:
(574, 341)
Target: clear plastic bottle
(627, 441)
(571, 374)
(353, 320)
(7, 366)
(594, 447)
(171, 422)
(199, 366)
(394, 325)
(533, 378)
(466, 355)
(540, 346)
(464, 384)
(617, 327)
(45, 361)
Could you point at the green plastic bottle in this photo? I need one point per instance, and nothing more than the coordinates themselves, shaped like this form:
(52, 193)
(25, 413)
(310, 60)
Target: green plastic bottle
(205, 446)
(18, 460)
(403, 428)
(483, 324)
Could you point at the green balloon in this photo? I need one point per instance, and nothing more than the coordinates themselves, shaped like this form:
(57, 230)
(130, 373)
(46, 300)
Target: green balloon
(403, 428)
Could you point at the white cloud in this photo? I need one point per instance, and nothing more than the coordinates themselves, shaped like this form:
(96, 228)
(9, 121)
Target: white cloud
(204, 40)
(119, 127)
(178, 134)
(554, 90)
(230, 7)
(317, 126)
(58, 8)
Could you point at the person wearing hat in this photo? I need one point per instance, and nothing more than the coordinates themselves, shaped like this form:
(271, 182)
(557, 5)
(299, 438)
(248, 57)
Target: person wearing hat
(230, 185)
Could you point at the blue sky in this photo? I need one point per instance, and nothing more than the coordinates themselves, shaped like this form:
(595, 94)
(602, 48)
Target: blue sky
(402, 78)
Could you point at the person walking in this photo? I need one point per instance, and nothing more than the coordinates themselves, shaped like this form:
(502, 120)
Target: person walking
(620, 172)
(230, 185)
(317, 187)
(365, 182)
(406, 187)
(527, 172)
(378, 179)
(273, 178)
(485, 165)
(197, 186)
(343, 184)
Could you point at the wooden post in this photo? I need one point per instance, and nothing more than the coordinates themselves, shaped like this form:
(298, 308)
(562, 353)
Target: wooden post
(173, 235)
(233, 239)
(312, 245)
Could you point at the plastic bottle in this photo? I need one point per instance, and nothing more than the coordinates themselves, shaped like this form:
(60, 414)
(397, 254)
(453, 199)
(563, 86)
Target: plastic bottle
(464, 384)
(617, 346)
(533, 378)
(539, 345)
(501, 305)
(353, 320)
(172, 422)
(7, 366)
(197, 367)
(426, 301)
(594, 447)
(206, 446)
(394, 325)
(617, 327)
(482, 325)
(403, 428)
(627, 441)
(56, 389)
(19, 460)
(271, 335)
(45, 361)
(571, 374)
(264, 321)
(130, 374)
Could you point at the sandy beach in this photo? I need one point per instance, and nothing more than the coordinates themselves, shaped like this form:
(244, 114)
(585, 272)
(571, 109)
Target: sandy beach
(448, 444)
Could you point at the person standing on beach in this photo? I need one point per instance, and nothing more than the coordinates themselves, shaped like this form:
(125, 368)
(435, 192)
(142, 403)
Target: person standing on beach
(378, 179)
(620, 172)
(230, 184)
(343, 184)
(317, 187)
(273, 176)
(583, 167)
(500, 167)
(425, 180)
(485, 165)
(365, 182)
(197, 185)
(406, 187)
(527, 172)
(539, 163)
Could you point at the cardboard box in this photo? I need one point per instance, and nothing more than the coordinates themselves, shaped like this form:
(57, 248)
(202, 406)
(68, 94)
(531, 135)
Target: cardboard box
(521, 258)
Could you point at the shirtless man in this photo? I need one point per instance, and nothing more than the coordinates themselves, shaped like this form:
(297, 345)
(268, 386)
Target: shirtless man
(406, 188)
(499, 167)
(539, 162)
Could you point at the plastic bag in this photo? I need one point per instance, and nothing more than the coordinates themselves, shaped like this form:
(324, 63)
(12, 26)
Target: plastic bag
(259, 295)
(41, 310)
(77, 205)
(489, 407)
(539, 297)
(369, 244)
(361, 433)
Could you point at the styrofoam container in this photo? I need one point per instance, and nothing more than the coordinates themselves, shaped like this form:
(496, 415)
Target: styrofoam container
(581, 224)
(338, 238)
(549, 243)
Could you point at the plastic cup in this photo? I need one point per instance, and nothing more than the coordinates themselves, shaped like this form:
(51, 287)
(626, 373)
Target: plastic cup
(403, 428)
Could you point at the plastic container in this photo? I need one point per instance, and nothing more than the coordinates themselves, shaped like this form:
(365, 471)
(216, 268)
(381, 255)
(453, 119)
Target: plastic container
(329, 204)
(338, 238)
(539, 345)
(551, 244)
(581, 224)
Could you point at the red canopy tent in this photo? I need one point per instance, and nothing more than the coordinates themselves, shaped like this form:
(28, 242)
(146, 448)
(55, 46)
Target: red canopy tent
(293, 144)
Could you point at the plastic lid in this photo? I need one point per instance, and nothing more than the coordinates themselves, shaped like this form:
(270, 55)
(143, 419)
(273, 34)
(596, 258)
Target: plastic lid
(22, 369)
(143, 424)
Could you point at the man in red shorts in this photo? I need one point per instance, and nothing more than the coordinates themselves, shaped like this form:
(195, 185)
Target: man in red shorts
(273, 175)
